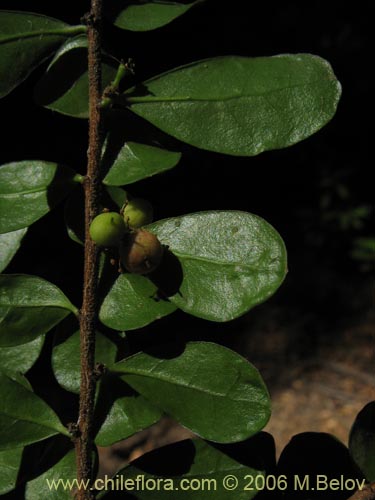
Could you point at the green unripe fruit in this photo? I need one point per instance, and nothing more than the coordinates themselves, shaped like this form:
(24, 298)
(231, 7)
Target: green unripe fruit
(138, 212)
(141, 252)
(107, 229)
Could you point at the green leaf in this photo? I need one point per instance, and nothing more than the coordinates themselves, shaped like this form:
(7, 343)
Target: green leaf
(147, 15)
(20, 358)
(208, 388)
(66, 356)
(10, 461)
(29, 189)
(137, 161)
(190, 470)
(26, 40)
(239, 105)
(24, 417)
(29, 307)
(47, 485)
(64, 86)
(9, 245)
(362, 441)
(117, 195)
(121, 411)
(231, 261)
(132, 303)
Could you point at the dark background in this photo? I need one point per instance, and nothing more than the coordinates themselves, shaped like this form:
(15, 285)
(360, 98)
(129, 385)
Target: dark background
(318, 194)
(311, 193)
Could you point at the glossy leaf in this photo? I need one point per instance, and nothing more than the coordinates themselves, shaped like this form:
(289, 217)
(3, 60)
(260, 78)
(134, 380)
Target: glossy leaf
(137, 161)
(26, 40)
(185, 463)
(231, 261)
(47, 484)
(239, 105)
(121, 411)
(24, 417)
(10, 461)
(64, 86)
(147, 15)
(132, 303)
(66, 357)
(20, 358)
(208, 388)
(29, 307)
(29, 189)
(118, 195)
(9, 245)
(362, 441)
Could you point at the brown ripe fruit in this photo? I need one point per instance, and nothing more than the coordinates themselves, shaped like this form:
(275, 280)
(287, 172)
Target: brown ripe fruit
(141, 252)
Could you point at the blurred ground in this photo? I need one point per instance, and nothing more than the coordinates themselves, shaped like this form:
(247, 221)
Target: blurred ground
(318, 380)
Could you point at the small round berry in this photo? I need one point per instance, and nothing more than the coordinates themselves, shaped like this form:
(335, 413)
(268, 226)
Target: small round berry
(138, 212)
(141, 252)
(107, 229)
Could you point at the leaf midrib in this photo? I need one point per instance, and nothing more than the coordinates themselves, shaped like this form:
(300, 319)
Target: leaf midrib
(157, 99)
(179, 384)
(218, 262)
(68, 31)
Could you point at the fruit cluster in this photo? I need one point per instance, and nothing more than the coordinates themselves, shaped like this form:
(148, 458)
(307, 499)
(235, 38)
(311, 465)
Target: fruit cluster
(140, 250)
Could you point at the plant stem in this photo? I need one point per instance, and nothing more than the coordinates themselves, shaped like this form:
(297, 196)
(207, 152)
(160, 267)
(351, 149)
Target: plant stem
(88, 316)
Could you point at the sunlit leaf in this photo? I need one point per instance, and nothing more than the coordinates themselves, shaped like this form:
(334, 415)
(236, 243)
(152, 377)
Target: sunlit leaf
(121, 411)
(146, 15)
(42, 486)
(64, 86)
(30, 189)
(20, 358)
(26, 40)
(10, 461)
(137, 161)
(9, 245)
(191, 467)
(231, 261)
(239, 105)
(66, 356)
(208, 388)
(24, 417)
(29, 307)
(132, 302)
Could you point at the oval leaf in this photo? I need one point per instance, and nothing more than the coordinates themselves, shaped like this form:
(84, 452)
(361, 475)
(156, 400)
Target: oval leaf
(10, 461)
(29, 307)
(20, 358)
(66, 357)
(122, 411)
(147, 15)
(136, 161)
(47, 485)
(29, 189)
(9, 245)
(64, 87)
(180, 465)
(24, 417)
(231, 261)
(362, 441)
(239, 105)
(26, 40)
(132, 303)
(208, 388)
